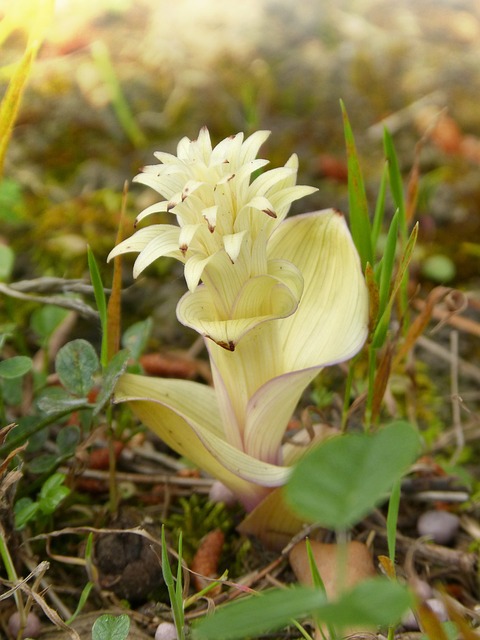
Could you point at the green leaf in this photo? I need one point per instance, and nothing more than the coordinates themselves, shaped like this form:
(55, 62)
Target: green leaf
(113, 371)
(57, 400)
(44, 463)
(256, 615)
(7, 259)
(342, 480)
(52, 493)
(25, 510)
(135, 338)
(15, 367)
(76, 363)
(357, 200)
(374, 602)
(46, 319)
(67, 439)
(108, 627)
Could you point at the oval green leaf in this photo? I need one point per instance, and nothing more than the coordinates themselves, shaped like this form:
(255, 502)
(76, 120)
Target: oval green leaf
(76, 363)
(15, 367)
(342, 480)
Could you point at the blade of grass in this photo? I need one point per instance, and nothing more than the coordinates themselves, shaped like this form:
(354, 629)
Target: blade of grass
(379, 208)
(101, 300)
(175, 597)
(319, 584)
(395, 178)
(388, 263)
(102, 59)
(114, 312)
(41, 13)
(392, 519)
(357, 200)
(402, 274)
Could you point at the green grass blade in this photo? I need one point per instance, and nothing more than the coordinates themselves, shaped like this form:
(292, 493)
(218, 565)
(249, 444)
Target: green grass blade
(101, 300)
(175, 598)
(388, 263)
(400, 278)
(396, 182)
(392, 519)
(317, 583)
(379, 208)
(357, 200)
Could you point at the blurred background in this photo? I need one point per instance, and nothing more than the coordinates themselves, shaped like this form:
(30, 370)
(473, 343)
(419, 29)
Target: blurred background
(116, 80)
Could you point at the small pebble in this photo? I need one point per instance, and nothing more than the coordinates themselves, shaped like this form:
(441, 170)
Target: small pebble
(32, 628)
(410, 622)
(440, 526)
(438, 609)
(166, 631)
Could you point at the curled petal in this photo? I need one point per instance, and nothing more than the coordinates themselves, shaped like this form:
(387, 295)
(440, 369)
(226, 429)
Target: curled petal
(143, 237)
(158, 207)
(261, 299)
(233, 244)
(187, 233)
(263, 183)
(167, 186)
(210, 215)
(194, 268)
(164, 244)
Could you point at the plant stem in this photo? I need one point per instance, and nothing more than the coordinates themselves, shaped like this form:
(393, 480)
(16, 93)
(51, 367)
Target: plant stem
(12, 576)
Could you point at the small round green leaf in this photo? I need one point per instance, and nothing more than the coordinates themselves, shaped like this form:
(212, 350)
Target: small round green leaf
(76, 363)
(46, 319)
(67, 439)
(342, 480)
(15, 367)
(108, 627)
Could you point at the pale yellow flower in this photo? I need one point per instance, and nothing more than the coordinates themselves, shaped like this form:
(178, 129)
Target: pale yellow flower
(277, 299)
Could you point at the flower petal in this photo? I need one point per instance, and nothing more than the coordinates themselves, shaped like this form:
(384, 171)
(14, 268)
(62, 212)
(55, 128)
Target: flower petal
(260, 299)
(331, 322)
(143, 237)
(269, 411)
(166, 243)
(185, 415)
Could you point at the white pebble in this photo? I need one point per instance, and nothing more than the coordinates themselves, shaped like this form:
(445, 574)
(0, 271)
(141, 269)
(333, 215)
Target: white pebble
(440, 526)
(438, 609)
(409, 621)
(166, 631)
